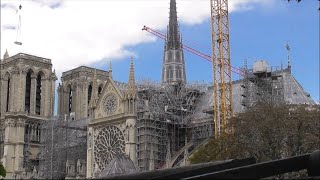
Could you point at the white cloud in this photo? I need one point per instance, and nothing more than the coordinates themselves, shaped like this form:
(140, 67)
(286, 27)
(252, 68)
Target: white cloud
(73, 33)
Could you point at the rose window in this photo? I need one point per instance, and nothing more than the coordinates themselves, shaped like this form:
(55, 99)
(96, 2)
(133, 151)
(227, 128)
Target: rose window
(107, 143)
(110, 103)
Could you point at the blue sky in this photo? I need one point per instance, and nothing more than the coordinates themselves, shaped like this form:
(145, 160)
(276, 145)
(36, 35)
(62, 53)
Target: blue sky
(81, 32)
(260, 33)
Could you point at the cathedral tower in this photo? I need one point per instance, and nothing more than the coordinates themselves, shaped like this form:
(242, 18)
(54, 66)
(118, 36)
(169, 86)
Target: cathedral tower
(79, 86)
(173, 68)
(27, 100)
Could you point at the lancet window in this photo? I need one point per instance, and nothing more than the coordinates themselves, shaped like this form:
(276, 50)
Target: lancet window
(89, 93)
(8, 95)
(32, 132)
(70, 100)
(28, 92)
(38, 94)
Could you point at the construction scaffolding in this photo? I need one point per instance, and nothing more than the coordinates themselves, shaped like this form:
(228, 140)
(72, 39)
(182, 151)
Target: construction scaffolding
(64, 143)
(262, 84)
(165, 122)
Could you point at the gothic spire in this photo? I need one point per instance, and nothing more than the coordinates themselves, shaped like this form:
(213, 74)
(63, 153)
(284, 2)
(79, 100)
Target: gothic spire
(6, 54)
(173, 67)
(131, 90)
(131, 74)
(110, 69)
(173, 34)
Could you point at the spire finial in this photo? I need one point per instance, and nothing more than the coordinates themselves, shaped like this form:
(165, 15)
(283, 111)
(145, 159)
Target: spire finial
(6, 54)
(110, 69)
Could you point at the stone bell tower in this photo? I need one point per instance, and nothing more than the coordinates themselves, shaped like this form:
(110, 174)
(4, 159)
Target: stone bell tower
(27, 100)
(76, 91)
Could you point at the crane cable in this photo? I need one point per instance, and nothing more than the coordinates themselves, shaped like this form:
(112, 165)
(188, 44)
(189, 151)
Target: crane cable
(18, 36)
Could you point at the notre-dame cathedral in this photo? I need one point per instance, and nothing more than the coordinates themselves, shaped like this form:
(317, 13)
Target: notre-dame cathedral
(123, 118)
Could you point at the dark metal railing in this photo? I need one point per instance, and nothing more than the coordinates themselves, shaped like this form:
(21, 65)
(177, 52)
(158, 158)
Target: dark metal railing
(234, 169)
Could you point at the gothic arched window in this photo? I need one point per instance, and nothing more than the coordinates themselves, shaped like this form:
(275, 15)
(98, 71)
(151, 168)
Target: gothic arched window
(28, 92)
(169, 56)
(89, 93)
(178, 57)
(70, 99)
(170, 72)
(99, 90)
(38, 133)
(8, 95)
(38, 94)
(178, 72)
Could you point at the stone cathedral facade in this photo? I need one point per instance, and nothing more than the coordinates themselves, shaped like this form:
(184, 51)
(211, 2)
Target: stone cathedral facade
(27, 99)
(111, 107)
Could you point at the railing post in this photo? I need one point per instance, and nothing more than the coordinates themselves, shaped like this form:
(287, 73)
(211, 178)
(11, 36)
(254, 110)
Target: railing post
(314, 164)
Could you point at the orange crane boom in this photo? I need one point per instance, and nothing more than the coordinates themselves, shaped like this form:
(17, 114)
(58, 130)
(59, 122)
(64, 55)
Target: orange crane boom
(193, 51)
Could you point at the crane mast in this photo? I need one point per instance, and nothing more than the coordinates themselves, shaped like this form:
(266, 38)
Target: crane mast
(222, 84)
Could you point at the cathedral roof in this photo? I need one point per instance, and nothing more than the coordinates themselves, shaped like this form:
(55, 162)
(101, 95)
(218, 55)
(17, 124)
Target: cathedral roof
(120, 164)
(121, 86)
(83, 69)
(26, 56)
(292, 90)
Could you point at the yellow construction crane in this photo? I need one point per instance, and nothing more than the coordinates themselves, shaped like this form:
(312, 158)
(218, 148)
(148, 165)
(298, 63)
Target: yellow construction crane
(222, 84)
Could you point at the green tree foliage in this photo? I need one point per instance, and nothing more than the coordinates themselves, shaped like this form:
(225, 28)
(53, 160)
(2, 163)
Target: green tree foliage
(216, 149)
(3, 171)
(266, 132)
